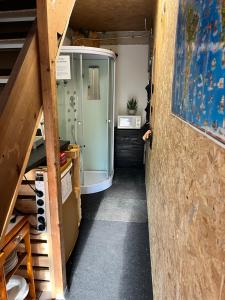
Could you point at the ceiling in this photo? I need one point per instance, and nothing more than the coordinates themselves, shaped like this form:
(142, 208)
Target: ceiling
(113, 15)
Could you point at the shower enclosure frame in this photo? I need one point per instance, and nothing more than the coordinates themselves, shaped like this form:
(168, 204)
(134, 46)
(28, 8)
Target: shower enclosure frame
(107, 55)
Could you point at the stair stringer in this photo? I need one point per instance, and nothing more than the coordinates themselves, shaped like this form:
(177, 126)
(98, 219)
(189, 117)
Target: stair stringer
(20, 110)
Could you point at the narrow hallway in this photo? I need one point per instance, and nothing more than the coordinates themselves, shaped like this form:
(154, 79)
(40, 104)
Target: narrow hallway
(111, 258)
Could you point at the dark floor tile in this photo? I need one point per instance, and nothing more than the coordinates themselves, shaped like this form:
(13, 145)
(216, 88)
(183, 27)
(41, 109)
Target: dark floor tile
(111, 258)
(115, 209)
(130, 176)
(126, 191)
(109, 263)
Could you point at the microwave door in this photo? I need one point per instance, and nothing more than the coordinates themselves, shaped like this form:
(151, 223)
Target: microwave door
(125, 122)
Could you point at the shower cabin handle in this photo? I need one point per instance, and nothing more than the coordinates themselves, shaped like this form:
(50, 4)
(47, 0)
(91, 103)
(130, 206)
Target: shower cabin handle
(80, 123)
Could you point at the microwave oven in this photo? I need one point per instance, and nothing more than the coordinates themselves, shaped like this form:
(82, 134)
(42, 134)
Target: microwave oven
(129, 122)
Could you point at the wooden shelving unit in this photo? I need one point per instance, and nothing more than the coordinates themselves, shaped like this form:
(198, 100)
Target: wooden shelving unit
(20, 260)
(17, 232)
(41, 249)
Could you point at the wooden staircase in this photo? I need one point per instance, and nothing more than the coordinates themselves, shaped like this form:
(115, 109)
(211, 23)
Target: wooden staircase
(19, 66)
(14, 27)
(27, 83)
(16, 18)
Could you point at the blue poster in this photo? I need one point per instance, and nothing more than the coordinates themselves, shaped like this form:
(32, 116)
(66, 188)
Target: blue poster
(199, 74)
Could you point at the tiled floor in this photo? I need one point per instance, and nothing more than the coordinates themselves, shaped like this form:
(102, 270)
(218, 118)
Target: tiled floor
(111, 258)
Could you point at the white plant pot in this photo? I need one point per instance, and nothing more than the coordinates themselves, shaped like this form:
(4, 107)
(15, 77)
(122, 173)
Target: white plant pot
(131, 112)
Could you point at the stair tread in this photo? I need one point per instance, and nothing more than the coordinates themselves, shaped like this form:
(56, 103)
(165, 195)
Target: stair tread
(2, 78)
(12, 43)
(12, 40)
(18, 15)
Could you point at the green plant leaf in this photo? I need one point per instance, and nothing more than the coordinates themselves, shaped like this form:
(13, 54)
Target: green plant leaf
(132, 104)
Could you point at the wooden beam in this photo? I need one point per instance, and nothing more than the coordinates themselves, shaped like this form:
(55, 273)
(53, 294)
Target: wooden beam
(53, 18)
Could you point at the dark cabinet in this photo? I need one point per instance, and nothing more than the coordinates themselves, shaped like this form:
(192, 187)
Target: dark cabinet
(129, 148)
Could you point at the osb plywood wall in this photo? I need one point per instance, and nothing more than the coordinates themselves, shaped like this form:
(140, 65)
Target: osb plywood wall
(186, 190)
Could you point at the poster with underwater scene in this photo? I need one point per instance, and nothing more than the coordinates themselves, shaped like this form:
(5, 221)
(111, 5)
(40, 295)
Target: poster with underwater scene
(199, 72)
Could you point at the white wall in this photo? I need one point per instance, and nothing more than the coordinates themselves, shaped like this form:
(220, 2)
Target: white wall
(131, 76)
(67, 41)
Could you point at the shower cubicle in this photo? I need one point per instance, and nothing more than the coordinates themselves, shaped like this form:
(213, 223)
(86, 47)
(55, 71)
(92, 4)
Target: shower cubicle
(86, 113)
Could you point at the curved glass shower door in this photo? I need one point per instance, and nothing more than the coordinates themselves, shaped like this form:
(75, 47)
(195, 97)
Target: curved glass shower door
(86, 108)
(95, 105)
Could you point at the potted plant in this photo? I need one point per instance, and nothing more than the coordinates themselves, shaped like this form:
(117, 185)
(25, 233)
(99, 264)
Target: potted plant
(132, 106)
